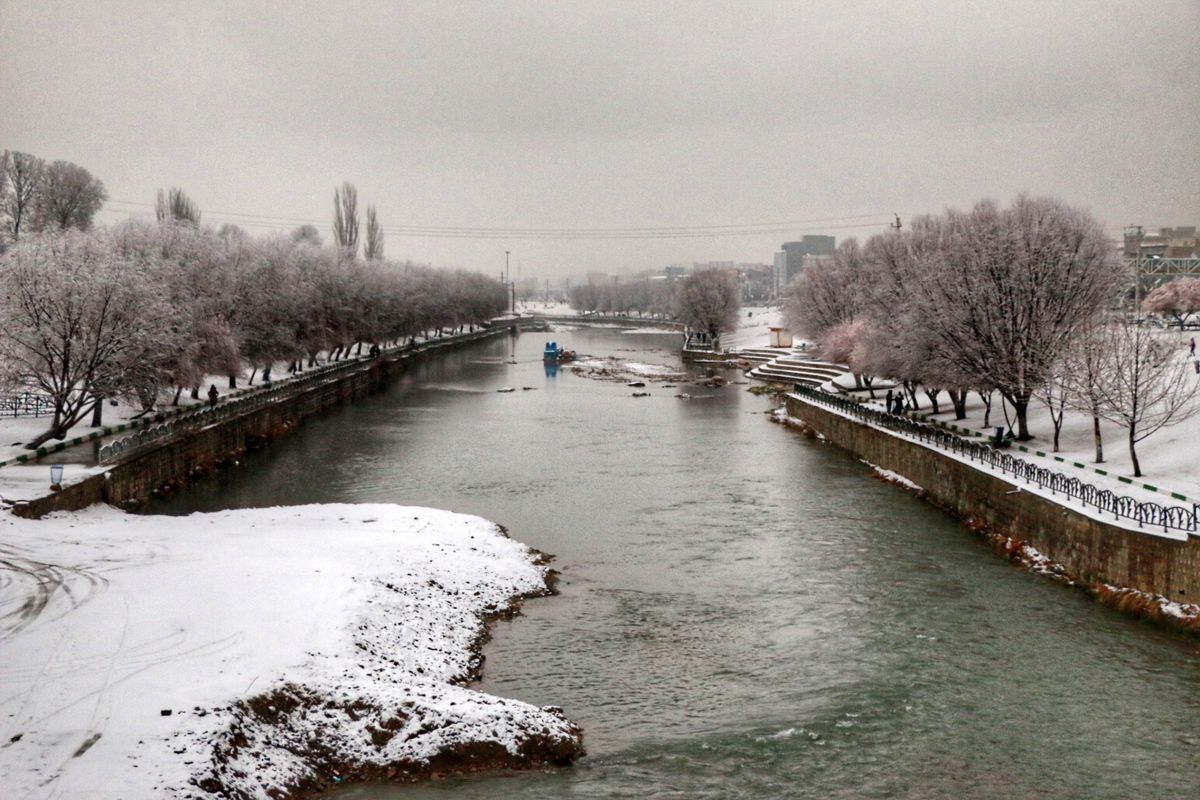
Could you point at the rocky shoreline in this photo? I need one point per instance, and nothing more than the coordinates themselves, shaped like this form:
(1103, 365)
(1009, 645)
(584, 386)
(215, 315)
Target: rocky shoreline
(423, 731)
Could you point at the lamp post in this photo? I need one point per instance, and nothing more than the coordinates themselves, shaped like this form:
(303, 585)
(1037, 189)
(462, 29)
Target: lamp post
(507, 288)
(56, 473)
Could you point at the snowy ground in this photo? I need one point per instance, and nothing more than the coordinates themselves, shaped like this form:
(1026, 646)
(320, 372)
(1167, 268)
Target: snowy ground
(1170, 458)
(754, 323)
(240, 651)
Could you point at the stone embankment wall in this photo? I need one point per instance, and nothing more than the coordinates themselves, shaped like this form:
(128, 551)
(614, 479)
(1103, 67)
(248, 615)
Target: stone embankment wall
(172, 462)
(1095, 552)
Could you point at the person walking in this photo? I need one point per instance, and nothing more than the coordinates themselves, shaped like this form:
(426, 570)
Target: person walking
(213, 394)
(1193, 353)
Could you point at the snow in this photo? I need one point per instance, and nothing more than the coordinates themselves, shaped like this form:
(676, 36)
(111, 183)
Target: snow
(619, 369)
(369, 612)
(894, 477)
(754, 327)
(1134, 490)
(668, 331)
(1170, 458)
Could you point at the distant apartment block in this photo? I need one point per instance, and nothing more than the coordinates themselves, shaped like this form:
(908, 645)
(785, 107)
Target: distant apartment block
(793, 256)
(1177, 242)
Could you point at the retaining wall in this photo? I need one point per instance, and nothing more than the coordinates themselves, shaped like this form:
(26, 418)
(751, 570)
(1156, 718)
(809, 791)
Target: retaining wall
(198, 449)
(1094, 551)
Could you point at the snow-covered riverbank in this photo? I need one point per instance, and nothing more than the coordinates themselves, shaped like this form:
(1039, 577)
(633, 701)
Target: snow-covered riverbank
(245, 651)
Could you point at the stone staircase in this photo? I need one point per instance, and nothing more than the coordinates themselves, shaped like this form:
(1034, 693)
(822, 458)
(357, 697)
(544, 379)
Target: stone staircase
(760, 355)
(796, 367)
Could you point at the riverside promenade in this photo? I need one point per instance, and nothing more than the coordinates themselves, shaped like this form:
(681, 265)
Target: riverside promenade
(92, 457)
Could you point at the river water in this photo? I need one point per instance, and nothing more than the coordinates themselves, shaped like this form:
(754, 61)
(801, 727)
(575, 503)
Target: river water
(744, 612)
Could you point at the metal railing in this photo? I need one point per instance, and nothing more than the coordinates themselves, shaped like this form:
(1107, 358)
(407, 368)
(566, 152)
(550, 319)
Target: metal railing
(1105, 500)
(188, 420)
(26, 404)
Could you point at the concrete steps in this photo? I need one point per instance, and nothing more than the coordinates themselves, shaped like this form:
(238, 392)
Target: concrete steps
(762, 354)
(797, 368)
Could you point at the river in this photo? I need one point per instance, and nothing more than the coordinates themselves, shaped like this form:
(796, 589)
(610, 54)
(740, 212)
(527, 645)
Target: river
(744, 612)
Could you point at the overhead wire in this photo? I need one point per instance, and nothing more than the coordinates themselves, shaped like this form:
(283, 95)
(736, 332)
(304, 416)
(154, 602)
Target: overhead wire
(266, 221)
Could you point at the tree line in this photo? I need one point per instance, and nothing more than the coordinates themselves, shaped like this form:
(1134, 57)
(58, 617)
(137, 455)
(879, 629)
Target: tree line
(707, 301)
(1020, 302)
(141, 311)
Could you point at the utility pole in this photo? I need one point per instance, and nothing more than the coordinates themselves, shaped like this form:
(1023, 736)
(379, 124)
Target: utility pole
(507, 285)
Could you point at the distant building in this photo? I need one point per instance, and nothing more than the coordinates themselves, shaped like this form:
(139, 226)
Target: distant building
(1177, 242)
(675, 271)
(791, 260)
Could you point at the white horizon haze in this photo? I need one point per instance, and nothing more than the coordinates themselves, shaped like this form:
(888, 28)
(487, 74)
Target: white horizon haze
(610, 136)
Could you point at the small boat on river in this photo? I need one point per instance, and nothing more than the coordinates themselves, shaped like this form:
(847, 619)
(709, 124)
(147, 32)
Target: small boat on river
(557, 353)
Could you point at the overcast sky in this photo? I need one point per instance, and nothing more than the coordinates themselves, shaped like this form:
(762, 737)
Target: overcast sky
(605, 115)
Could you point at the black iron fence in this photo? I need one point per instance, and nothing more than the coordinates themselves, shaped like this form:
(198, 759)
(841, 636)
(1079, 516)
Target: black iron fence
(160, 428)
(1144, 513)
(25, 404)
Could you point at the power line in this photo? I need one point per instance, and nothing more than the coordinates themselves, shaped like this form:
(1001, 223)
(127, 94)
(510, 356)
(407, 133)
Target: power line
(484, 232)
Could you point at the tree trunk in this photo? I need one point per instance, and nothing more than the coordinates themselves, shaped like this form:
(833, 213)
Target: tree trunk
(987, 408)
(53, 433)
(1137, 468)
(1021, 407)
(1058, 421)
(178, 392)
(932, 394)
(1099, 444)
(253, 372)
(98, 412)
(958, 399)
(233, 381)
(196, 392)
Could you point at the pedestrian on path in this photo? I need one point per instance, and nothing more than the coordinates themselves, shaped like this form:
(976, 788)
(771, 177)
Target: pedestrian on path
(1193, 353)
(213, 394)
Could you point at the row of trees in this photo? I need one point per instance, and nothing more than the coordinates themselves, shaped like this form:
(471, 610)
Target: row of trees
(706, 301)
(36, 196)
(644, 297)
(142, 308)
(1011, 301)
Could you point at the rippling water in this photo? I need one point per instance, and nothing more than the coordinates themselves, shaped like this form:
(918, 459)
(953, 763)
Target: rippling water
(744, 611)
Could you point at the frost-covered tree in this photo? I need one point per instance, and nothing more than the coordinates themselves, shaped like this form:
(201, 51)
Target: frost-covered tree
(76, 317)
(827, 293)
(231, 233)
(1178, 299)
(69, 197)
(1087, 366)
(709, 302)
(1004, 290)
(1148, 385)
(23, 177)
(307, 234)
(175, 206)
(345, 219)
(373, 247)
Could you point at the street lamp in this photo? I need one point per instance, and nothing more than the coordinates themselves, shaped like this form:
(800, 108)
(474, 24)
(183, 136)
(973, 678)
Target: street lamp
(56, 472)
(507, 287)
